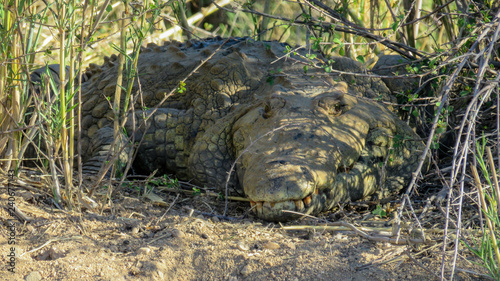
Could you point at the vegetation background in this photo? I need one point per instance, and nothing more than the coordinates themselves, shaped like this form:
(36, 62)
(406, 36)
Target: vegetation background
(453, 47)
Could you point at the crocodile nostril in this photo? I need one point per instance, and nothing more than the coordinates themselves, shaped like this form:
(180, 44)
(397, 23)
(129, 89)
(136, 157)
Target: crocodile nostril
(278, 162)
(297, 136)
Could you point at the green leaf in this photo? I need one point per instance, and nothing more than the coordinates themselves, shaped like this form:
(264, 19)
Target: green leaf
(208, 26)
(434, 145)
(197, 191)
(379, 212)
(394, 25)
(311, 56)
(432, 63)
(270, 80)
(109, 8)
(182, 87)
(361, 59)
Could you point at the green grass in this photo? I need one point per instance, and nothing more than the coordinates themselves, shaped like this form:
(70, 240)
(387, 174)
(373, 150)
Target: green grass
(487, 247)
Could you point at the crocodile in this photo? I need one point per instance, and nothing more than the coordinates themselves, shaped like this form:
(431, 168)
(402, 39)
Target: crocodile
(286, 127)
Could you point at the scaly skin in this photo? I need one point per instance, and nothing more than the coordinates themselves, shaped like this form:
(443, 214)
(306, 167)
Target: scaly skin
(303, 143)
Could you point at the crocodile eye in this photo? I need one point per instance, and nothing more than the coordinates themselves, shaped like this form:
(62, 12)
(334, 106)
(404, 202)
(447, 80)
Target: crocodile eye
(330, 106)
(337, 109)
(272, 105)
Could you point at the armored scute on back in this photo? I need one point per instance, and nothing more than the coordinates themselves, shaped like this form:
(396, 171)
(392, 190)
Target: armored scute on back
(303, 142)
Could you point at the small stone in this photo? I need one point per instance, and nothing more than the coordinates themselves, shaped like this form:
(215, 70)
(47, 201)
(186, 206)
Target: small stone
(204, 236)
(33, 276)
(177, 233)
(340, 236)
(242, 246)
(50, 254)
(135, 229)
(31, 229)
(271, 246)
(245, 270)
(290, 245)
(215, 219)
(143, 251)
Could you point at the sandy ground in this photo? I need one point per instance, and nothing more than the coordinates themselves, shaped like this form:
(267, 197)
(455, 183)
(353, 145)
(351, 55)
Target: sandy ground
(136, 239)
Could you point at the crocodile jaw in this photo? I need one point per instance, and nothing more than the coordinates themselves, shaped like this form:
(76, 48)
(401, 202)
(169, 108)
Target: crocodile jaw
(293, 197)
(283, 192)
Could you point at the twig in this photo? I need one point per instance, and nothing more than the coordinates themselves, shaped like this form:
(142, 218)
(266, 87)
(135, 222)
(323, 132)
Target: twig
(20, 214)
(421, 265)
(344, 225)
(400, 48)
(168, 209)
(207, 193)
(238, 158)
(50, 241)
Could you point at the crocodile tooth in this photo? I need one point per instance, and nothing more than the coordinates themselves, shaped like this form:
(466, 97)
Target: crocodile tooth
(258, 208)
(299, 204)
(307, 201)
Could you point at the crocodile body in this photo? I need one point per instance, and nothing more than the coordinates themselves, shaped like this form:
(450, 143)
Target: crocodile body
(302, 141)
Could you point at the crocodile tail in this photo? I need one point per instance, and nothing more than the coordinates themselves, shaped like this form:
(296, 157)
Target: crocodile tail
(54, 72)
(101, 153)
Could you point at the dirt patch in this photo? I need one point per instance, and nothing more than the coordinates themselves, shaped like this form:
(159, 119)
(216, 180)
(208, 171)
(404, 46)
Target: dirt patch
(135, 239)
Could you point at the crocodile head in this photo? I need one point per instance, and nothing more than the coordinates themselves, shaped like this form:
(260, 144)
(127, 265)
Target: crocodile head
(308, 150)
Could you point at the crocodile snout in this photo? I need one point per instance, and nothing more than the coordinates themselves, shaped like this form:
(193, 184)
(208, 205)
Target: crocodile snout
(278, 186)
